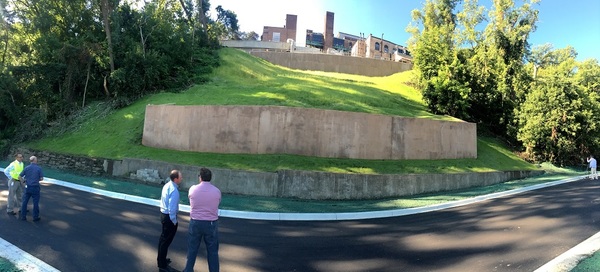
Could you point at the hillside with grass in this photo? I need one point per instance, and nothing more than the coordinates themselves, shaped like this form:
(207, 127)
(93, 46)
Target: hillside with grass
(243, 79)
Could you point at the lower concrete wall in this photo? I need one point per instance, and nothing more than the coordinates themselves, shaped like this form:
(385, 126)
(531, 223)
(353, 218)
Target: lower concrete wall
(285, 183)
(334, 63)
(307, 132)
(322, 185)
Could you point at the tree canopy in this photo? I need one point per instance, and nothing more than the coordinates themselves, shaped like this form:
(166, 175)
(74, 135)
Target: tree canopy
(481, 69)
(57, 56)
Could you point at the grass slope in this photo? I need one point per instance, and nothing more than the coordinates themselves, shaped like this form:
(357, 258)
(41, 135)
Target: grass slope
(245, 80)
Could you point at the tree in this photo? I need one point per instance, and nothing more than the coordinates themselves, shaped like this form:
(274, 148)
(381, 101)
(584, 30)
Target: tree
(471, 74)
(226, 26)
(62, 54)
(250, 36)
(559, 120)
(4, 32)
(107, 7)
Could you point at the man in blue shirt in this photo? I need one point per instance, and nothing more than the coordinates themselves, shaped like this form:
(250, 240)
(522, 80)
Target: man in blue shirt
(32, 174)
(169, 206)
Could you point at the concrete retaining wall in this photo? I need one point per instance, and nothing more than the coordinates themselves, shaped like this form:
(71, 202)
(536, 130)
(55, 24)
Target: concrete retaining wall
(309, 132)
(282, 46)
(334, 63)
(286, 183)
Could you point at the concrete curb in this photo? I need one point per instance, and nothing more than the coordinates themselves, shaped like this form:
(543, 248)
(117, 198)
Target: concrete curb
(23, 260)
(315, 216)
(569, 260)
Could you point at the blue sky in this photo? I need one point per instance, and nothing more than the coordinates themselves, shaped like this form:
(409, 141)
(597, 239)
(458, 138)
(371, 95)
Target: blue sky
(561, 23)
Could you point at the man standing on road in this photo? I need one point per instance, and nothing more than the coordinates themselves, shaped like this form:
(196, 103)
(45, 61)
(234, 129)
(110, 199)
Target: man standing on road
(169, 206)
(592, 162)
(32, 174)
(15, 186)
(204, 207)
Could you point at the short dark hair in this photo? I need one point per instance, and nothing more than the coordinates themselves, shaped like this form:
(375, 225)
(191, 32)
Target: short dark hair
(205, 174)
(174, 174)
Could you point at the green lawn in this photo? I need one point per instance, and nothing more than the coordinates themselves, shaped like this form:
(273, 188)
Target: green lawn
(245, 80)
(7, 266)
(590, 264)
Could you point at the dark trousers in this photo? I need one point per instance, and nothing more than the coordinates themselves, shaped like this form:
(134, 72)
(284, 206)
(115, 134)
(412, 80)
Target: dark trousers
(166, 237)
(31, 192)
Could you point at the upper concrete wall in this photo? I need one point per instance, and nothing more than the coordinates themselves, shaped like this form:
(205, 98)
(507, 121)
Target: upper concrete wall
(303, 131)
(334, 63)
(256, 45)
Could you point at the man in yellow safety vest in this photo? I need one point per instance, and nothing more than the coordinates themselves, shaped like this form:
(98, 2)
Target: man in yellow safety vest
(15, 185)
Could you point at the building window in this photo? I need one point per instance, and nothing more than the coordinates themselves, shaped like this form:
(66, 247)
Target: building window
(350, 44)
(386, 49)
(377, 46)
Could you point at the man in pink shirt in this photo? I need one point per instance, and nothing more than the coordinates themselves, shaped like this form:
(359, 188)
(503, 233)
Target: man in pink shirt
(204, 204)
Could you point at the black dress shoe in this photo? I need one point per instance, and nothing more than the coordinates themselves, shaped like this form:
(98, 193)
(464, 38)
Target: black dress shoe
(37, 219)
(11, 213)
(168, 269)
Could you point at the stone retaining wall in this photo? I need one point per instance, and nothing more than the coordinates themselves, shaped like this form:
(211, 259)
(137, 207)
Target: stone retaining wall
(284, 183)
(79, 164)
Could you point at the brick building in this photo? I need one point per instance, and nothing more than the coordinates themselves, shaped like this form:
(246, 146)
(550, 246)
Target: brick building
(358, 46)
(378, 48)
(281, 34)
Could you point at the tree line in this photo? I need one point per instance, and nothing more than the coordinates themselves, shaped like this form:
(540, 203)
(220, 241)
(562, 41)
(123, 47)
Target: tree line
(56, 57)
(477, 64)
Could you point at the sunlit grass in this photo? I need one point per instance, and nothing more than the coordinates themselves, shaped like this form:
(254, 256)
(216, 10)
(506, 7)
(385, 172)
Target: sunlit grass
(245, 80)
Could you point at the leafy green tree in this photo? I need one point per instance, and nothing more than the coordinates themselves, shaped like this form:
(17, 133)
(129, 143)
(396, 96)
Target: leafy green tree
(249, 36)
(559, 120)
(468, 73)
(226, 26)
(56, 55)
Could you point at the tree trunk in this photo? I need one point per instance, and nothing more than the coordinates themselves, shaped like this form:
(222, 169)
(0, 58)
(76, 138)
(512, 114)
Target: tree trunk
(106, 92)
(187, 13)
(143, 42)
(87, 79)
(5, 44)
(201, 17)
(106, 10)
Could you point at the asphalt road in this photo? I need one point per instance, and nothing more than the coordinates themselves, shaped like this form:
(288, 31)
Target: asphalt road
(85, 232)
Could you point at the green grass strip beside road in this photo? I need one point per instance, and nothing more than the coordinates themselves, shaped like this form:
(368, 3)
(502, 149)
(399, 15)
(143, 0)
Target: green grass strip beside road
(286, 205)
(589, 265)
(7, 266)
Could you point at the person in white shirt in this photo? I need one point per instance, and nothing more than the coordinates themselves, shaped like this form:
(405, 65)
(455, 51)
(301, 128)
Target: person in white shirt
(592, 162)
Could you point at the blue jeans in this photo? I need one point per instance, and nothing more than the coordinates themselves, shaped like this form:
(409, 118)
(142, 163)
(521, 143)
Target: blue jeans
(31, 192)
(209, 231)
